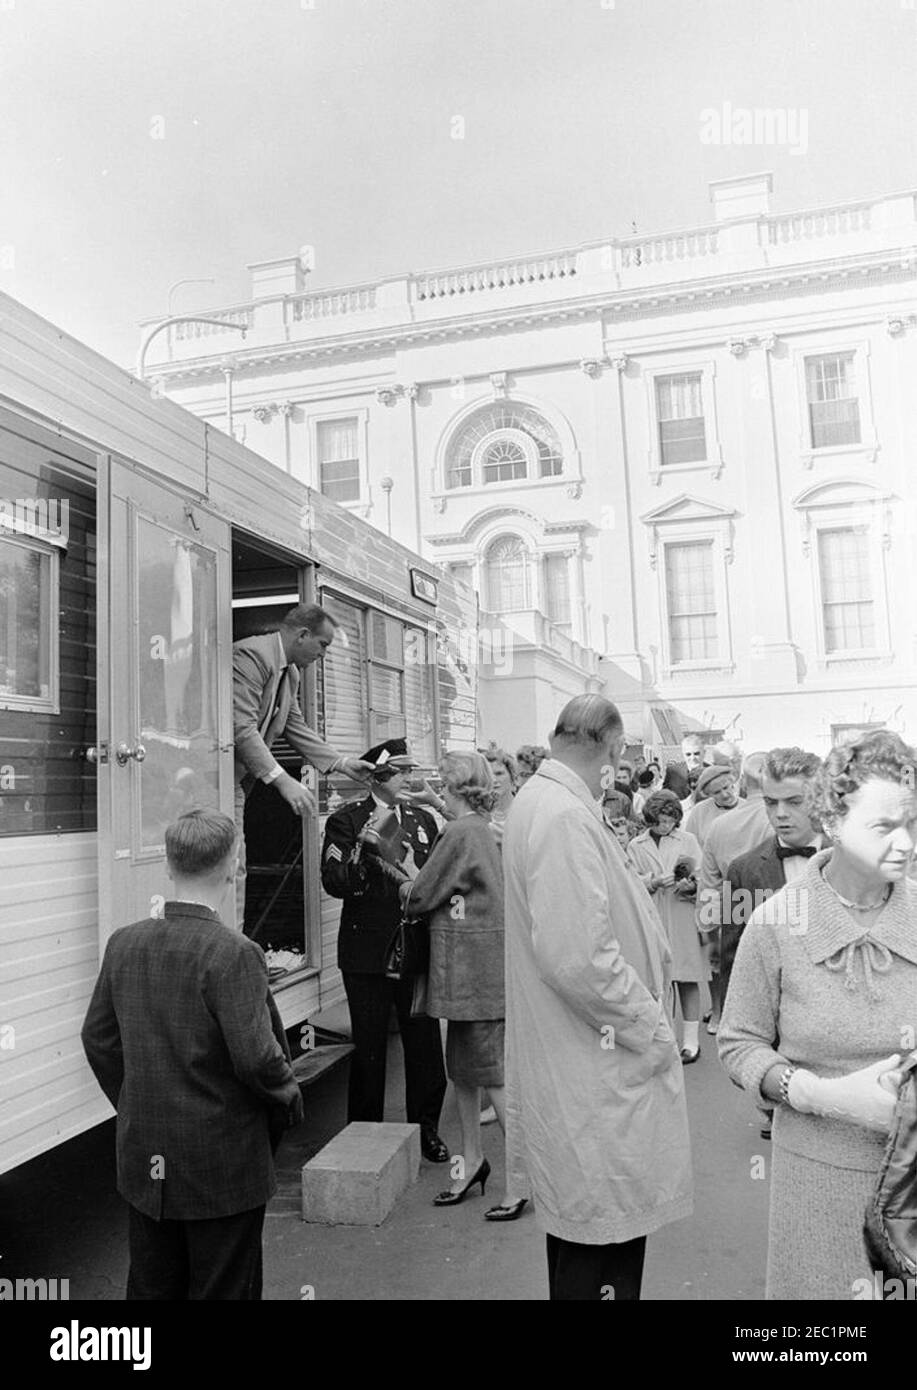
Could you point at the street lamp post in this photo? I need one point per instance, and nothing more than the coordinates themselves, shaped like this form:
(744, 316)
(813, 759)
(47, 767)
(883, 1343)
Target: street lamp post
(176, 285)
(227, 376)
(195, 318)
(386, 485)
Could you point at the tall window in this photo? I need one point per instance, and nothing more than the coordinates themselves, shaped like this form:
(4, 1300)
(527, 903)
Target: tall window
(848, 604)
(691, 602)
(502, 443)
(834, 411)
(680, 415)
(557, 590)
(508, 576)
(339, 459)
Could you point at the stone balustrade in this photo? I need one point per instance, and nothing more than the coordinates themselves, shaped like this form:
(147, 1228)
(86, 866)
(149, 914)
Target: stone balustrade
(663, 250)
(732, 247)
(331, 304)
(501, 275)
(824, 222)
(187, 332)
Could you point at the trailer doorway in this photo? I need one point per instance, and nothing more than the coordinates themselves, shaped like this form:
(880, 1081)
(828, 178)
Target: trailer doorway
(282, 905)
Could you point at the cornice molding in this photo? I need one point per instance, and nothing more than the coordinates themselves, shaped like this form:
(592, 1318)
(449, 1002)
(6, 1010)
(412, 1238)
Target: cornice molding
(761, 285)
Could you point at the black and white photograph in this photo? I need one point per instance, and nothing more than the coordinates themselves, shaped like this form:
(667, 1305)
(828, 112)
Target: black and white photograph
(458, 663)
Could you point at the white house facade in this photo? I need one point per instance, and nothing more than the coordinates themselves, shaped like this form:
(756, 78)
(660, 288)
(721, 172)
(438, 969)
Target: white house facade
(678, 469)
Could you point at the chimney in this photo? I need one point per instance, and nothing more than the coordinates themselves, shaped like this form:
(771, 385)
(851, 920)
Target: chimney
(745, 196)
(284, 276)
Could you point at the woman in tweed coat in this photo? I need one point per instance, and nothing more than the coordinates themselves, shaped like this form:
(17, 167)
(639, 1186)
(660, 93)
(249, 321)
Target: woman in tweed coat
(822, 1002)
(460, 890)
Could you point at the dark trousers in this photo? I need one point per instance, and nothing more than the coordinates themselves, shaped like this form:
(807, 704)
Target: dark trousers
(370, 998)
(181, 1260)
(577, 1272)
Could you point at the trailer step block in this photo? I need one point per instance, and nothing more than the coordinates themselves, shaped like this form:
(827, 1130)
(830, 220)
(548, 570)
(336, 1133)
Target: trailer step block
(357, 1178)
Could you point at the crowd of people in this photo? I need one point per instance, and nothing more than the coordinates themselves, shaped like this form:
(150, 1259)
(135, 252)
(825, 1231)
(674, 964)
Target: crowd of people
(557, 910)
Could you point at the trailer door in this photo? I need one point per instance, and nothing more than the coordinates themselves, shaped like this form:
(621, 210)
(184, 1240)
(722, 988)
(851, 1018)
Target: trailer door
(169, 659)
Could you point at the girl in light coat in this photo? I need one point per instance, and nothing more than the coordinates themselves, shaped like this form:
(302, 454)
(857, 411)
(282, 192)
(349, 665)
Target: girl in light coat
(666, 859)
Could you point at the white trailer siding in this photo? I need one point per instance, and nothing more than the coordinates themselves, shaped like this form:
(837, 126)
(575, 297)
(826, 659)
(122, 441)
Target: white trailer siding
(50, 885)
(49, 945)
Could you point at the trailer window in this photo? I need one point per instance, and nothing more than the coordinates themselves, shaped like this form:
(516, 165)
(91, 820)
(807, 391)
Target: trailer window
(386, 680)
(47, 632)
(419, 705)
(380, 684)
(28, 631)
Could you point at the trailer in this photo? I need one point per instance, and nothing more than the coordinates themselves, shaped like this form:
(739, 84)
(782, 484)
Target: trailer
(136, 544)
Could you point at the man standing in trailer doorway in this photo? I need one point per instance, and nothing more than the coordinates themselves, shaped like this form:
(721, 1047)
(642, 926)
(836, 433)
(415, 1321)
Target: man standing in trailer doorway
(265, 695)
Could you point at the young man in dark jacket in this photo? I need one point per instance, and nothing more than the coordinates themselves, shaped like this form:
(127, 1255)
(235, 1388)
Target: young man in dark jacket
(185, 1042)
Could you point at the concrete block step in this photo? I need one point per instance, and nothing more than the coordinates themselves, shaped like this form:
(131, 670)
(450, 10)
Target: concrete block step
(333, 1020)
(357, 1178)
(313, 1064)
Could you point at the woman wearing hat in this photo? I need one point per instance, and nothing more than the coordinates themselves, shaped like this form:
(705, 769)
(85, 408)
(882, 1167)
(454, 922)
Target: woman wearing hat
(716, 793)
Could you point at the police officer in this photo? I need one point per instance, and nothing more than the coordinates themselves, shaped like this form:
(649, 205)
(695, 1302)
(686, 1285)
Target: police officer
(369, 917)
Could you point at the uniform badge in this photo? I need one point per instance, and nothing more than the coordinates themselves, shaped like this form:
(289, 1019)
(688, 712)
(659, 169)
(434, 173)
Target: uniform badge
(332, 852)
(422, 835)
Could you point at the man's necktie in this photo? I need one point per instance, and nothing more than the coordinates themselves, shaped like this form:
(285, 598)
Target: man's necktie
(282, 682)
(787, 852)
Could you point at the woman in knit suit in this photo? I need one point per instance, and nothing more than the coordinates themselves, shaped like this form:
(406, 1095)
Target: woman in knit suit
(821, 1003)
(460, 891)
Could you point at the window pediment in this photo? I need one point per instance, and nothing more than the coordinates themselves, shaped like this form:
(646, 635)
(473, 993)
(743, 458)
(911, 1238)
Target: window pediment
(688, 515)
(840, 492)
(686, 508)
(848, 501)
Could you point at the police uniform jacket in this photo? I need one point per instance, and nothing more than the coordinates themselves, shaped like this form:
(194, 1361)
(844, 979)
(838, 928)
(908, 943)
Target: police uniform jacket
(372, 909)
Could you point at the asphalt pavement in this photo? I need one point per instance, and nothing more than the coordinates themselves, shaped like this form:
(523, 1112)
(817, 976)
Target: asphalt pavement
(60, 1216)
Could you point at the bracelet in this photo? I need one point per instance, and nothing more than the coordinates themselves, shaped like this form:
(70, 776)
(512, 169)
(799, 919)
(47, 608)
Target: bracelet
(785, 1078)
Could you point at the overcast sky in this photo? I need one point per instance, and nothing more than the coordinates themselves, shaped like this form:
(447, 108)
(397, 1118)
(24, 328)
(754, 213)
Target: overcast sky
(141, 143)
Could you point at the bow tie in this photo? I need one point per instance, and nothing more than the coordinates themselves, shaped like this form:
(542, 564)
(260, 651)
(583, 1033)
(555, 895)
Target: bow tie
(787, 852)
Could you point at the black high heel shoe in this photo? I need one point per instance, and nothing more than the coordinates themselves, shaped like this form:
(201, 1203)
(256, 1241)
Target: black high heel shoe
(507, 1213)
(452, 1199)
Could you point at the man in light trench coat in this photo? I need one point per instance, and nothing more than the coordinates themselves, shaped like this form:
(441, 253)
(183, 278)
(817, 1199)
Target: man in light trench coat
(595, 1091)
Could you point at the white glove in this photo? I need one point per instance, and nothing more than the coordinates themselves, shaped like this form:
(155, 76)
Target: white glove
(866, 1097)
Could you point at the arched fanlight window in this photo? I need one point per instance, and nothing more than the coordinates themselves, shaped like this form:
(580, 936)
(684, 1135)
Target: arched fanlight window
(507, 576)
(503, 442)
(503, 461)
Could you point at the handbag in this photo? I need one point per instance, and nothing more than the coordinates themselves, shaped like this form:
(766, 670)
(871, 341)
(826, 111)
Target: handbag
(408, 951)
(890, 1229)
